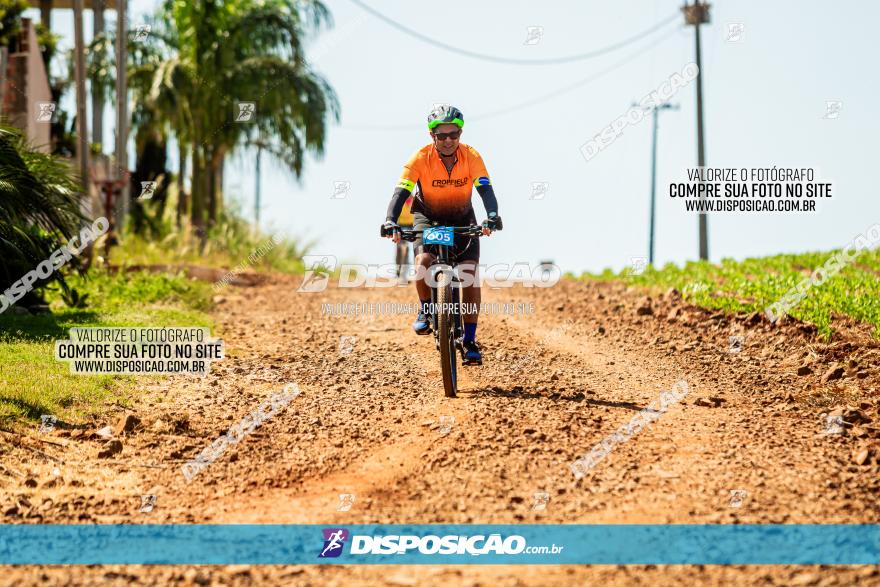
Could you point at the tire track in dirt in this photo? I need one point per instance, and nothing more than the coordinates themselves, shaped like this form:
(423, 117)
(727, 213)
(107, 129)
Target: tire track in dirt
(549, 390)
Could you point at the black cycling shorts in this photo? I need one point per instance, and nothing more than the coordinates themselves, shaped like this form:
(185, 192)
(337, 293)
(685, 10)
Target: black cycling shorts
(466, 248)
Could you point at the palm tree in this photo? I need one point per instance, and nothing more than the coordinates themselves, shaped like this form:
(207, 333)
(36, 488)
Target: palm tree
(39, 206)
(162, 85)
(151, 122)
(202, 57)
(231, 51)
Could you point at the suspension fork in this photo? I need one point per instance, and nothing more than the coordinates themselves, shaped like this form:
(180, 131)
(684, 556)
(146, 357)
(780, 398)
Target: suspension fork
(441, 260)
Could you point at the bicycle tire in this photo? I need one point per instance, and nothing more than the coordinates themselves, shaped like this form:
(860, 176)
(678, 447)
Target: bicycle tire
(446, 333)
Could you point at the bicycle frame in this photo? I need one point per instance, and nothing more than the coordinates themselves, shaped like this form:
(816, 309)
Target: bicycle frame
(440, 262)
(447, 339)
(443, 259)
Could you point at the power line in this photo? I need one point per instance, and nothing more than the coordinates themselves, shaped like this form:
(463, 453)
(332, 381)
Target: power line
(510, 60)
(577, 84)
(533, 102)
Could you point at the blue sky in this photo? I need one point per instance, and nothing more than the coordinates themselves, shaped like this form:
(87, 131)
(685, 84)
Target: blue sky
(765, 100)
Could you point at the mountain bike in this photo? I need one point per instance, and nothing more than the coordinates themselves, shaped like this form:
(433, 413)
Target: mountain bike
(445, 295)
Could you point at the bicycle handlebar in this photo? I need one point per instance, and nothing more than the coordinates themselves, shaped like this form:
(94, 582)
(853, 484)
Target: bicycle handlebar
(474, 230)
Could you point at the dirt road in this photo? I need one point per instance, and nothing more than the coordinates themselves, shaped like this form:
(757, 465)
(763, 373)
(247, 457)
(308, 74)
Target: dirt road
(751, 441)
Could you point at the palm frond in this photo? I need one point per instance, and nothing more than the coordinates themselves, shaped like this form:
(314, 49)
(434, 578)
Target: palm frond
(39, 205)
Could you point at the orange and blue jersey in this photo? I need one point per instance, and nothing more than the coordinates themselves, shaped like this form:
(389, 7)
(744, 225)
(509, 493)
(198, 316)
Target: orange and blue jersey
(443, 194)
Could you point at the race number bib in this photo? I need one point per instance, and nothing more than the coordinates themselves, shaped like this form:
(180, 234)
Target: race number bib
(438, 235)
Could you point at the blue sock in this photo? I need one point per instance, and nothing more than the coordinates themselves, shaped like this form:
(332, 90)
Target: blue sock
(470, 331)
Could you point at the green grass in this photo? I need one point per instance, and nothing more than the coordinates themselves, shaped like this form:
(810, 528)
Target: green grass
(753, 284)
(33, 383)
(232, 243)
(259, 253)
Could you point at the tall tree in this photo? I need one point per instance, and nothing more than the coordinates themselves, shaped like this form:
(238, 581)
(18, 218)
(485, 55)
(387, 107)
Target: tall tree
(233, 51)
(200, 60)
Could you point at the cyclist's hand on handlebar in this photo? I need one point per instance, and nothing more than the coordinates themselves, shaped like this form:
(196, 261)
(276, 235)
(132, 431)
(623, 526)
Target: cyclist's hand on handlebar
(390, 230)
(492, 223)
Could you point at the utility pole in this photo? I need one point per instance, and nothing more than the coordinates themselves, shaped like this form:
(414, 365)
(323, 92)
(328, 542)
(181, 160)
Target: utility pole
(664, 106)
(122, 107)
(653, 110)
(696, 14)
(98, 96)
(261, 144)
(46, 14)
(82, 126)
(257, 193)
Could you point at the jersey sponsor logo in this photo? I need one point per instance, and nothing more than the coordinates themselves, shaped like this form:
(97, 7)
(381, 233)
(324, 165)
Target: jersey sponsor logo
(442, 183)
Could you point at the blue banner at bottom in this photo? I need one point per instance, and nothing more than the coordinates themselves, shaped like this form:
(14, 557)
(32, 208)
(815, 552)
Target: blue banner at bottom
(434, 544)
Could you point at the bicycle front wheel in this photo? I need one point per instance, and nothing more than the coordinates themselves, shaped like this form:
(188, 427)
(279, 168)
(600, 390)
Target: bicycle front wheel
(446, 332)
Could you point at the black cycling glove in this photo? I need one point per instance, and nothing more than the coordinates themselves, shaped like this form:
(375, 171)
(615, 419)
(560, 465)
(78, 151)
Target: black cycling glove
(389, 228)
(493, 222)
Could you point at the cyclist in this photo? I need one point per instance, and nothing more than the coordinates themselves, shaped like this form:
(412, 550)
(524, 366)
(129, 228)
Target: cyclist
(446, 172)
